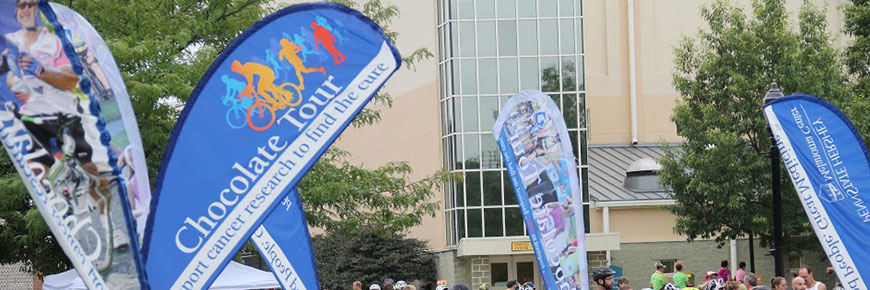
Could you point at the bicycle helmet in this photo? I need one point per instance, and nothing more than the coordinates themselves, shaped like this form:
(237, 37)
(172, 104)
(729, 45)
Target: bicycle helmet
(602, 273)
(715, 284)
(400, 284)
(671, 286)
(531, 286)
(375, 287)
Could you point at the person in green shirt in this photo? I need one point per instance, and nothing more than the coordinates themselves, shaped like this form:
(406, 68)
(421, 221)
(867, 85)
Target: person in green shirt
(690, 282)
(658, 280)
(680, 277)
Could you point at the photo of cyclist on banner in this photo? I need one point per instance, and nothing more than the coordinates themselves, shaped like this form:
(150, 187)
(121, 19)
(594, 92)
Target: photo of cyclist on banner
(68, 152)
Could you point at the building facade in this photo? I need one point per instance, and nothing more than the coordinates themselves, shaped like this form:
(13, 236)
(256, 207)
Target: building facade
(608, 64)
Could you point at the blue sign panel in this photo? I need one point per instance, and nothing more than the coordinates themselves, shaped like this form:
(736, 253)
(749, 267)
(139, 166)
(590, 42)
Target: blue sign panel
(265, 111)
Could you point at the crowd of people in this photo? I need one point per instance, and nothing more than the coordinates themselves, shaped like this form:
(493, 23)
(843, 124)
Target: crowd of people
(720, 279)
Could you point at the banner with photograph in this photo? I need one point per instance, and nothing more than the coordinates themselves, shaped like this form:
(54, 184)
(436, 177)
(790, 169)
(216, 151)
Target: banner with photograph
(65, 129)
(260, 117)
(829, 167)
(285, 244)
(536, 149)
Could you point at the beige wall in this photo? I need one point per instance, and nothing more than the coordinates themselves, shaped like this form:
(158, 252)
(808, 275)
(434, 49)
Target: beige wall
(659, 25)
(410, 129)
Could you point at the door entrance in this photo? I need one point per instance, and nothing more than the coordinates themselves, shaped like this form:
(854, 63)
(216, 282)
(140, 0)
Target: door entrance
(505, 268)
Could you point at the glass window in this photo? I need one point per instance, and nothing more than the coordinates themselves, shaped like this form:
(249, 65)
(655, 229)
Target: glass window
(581, 77)
(510, 198)
(527, 8)
(472, 157)
(466, 9)
(460, 222)
(491, 188)
(643, 181)
(507, 37)
(485, 9)
(499, 274)
(566, 7)
(493, 218)
(579, 36)
(557, 100)
(569, 74)
(567, 32)
(525, 271)
(569, 110)
(528, 37)
(584, 158)
(469, 77)
(586, 218)
(454, 39)
(488, 113)
(548, 37)
(491, 156)
(549, 74)
(475, 225)
(486, 38)
(507, 8)
(529, 70)
(452, 9)
(469, 114)
(466, 38)
(547, 8)
(451, 149)
(579, 6)
(488, 78)
(585, 172)
(513, 221)
(459, 194)
(454, 77)
(574, 140)
(472, 188)
(508, 76)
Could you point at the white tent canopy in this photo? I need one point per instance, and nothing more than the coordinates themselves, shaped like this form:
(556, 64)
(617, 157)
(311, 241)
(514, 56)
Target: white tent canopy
(234, 277)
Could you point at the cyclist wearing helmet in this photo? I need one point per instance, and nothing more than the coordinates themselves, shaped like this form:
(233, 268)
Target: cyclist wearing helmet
(658, 280)
(400, 284)
(603, 277)
(528, 286)
(715, 284)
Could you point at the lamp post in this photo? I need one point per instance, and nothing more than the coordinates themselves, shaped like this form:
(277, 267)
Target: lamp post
(772, 94)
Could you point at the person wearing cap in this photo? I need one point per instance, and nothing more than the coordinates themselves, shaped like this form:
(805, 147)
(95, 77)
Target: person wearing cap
(375, 287)
(658, 280)
(603, 277)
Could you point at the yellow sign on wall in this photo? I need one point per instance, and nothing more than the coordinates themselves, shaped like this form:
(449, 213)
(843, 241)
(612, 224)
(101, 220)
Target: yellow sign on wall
(521, 246)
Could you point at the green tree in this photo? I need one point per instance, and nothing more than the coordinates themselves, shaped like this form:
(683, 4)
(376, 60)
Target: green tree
(720, 182)
(369, 257)
(162, 49)
(857, 25)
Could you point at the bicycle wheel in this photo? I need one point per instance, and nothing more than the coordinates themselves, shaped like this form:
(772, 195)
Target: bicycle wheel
(292, 100)
(260, 116)
(236, 117)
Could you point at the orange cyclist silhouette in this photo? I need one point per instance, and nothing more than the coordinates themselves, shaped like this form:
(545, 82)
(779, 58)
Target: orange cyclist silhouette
(289, 51)
(322, 35)
(266, 87)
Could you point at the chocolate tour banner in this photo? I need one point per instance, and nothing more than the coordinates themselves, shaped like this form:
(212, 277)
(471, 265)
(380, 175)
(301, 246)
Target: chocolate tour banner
(536, 149)
(829, 166)
(260, 117)
(68, 126)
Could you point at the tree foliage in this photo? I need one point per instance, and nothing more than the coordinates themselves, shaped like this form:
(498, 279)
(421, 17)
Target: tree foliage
(369, 257)
(162, 49)
(720, 182)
